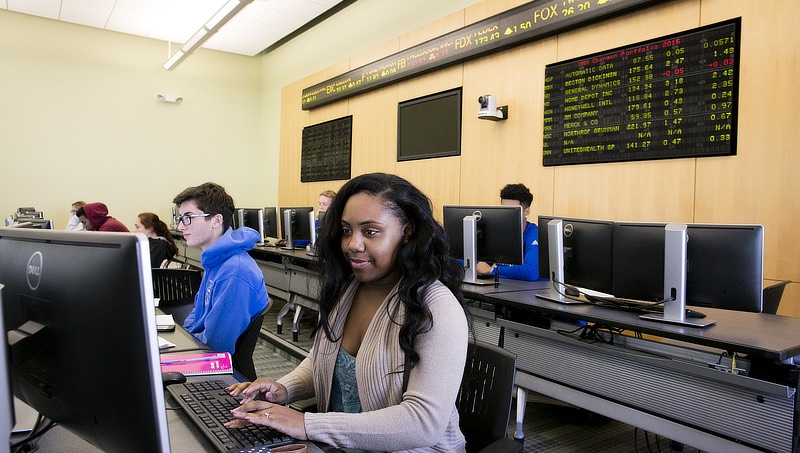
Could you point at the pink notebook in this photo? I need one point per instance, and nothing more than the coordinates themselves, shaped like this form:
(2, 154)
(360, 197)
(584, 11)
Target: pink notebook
(198, 363)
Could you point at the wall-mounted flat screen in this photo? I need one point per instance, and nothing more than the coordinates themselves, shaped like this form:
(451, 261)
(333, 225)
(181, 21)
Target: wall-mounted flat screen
(429, 126)
(669, 97)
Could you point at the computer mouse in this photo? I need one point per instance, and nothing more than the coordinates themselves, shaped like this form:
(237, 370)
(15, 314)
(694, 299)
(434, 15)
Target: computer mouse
(694, 314)
(571, 291)
(172, 377)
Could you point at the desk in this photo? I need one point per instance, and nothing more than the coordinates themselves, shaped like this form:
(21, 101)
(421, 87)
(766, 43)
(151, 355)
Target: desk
(183, 340)
(506, 285)
(183, 434)
(668, 387)
(288, 276)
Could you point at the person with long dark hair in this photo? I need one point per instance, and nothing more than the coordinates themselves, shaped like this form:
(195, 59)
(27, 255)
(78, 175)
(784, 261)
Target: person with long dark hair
(162, 244)
(391, 343)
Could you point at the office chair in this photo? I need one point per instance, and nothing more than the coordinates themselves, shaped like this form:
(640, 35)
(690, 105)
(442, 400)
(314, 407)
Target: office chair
(176, 289)
(772, 297)
(484, 399)
(246, 344)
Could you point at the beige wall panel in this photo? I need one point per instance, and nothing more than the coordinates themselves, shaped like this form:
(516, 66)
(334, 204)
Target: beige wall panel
(291, 192)
(374, 131)
(432, 30)
(374, 54)
(760, 185)
(434, 82)
(479, 11)
(436, 178)
(495, 153)
(634, 191)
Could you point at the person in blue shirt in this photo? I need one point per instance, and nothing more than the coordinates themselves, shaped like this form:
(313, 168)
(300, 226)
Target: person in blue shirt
(232, 291)
(518, 195)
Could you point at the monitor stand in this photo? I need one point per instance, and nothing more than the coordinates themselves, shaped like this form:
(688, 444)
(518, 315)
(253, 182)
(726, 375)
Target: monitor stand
(675, 280)
(555, 249)
(553, 295)
(287, 230)
(470, 225)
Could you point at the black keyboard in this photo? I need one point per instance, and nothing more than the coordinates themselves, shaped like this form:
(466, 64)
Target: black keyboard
(209, 407)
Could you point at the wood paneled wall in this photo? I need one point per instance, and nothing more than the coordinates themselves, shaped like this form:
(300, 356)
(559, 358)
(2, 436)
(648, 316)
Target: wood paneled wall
(758, 185)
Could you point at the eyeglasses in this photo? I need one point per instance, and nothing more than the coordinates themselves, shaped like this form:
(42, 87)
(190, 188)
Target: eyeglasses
(186, 219)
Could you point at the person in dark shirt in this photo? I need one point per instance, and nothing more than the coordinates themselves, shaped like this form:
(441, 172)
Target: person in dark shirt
(162, 244)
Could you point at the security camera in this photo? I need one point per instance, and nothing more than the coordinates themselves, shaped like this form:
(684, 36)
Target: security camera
(487, 108)
(487, 102)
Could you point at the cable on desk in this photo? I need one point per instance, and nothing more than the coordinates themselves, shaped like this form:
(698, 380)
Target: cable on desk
(594, 331)
(28, 444)
(557, 287)
(574, 293)
(567, 333)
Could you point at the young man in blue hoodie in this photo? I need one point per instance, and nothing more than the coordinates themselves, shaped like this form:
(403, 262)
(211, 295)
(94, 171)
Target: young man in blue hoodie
(232, 291)
(518, 195)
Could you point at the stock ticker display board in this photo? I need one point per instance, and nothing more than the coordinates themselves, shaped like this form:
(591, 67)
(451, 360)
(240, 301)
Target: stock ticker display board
(519, 25)
(326, 150)
(669, 97)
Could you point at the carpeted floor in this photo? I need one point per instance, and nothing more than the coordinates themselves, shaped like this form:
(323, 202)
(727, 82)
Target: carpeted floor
(548, 428)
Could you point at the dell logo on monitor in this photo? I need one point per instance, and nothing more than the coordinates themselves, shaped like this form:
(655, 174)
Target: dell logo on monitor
(568, 230)
(34, 270)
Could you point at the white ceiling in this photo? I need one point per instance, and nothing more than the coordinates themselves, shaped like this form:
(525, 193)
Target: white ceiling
(259, 25)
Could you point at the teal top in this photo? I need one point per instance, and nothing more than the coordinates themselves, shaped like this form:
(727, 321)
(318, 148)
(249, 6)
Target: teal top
(344, 389)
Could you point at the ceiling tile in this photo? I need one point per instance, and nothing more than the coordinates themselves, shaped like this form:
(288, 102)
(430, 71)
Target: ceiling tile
(258, 26)
(42, 8)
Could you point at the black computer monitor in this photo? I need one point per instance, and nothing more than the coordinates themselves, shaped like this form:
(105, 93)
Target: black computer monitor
(639, 260)
(297, 223)
(587, 252)
(271, 222)
(82, 338)
(251, 218)
(494, 237)
(724, 264)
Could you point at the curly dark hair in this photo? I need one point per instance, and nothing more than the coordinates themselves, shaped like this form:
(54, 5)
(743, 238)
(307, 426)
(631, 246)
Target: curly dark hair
(517, 192)
(212, 199)
(423, 260)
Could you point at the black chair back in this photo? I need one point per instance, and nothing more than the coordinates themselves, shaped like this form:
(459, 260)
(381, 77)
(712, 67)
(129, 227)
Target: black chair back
(772, 297)
(484, 399)
(176, 289)
(246, 344)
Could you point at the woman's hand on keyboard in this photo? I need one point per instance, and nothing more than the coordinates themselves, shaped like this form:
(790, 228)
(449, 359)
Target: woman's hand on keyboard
(272, 391)
(282, 418)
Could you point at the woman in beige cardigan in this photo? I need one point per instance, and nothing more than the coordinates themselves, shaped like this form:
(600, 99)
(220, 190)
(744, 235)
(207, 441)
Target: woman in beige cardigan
(390, 302)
